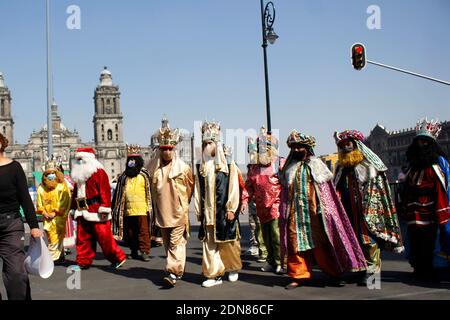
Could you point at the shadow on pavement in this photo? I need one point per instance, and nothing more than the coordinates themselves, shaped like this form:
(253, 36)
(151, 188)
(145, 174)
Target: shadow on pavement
(405, 277)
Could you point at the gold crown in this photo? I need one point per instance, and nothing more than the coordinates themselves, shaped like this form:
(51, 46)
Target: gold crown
(168, 137)
(51, 165)
(133, 149)
(210, 131)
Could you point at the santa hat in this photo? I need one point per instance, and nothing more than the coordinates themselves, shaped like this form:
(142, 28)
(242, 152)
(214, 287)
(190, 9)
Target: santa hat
(85, 153)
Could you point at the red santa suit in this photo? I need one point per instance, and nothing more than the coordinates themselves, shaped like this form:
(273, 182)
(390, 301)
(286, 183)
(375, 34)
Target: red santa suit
(92, 204)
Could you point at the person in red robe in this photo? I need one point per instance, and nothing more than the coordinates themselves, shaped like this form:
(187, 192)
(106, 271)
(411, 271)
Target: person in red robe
(91, 201)
(425, 199)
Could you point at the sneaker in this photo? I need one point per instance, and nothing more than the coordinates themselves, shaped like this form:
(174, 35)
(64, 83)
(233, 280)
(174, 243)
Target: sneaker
(253, 251)
(118, 265)
(171, 280)
(75, 268)
(212, 282)
(233, 276)
(279, 270)
(145, 257)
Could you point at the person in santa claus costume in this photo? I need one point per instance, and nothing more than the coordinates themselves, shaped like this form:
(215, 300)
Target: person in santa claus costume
(91, 201)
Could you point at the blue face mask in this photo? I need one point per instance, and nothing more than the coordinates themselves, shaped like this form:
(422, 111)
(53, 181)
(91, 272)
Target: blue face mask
(51, 176)
(131, 163)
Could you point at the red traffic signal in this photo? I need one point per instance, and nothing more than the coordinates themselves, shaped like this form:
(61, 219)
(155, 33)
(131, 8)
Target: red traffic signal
(358, 56)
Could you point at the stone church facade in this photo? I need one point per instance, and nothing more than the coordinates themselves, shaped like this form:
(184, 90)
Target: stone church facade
(108, 134)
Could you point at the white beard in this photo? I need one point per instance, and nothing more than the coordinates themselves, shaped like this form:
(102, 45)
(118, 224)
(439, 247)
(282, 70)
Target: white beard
(82, 172)
(265, 159)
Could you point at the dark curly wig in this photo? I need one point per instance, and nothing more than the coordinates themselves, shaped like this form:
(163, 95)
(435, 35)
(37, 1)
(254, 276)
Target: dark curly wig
(425, 156)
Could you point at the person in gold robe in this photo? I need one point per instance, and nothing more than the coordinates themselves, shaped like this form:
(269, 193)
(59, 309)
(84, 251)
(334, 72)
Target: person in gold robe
(172, 185)
(53, 202)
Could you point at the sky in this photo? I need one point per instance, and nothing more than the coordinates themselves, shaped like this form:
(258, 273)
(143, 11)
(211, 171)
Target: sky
(202, 59)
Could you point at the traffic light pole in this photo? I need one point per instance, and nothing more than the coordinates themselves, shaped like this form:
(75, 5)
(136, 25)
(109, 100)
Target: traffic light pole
(408, 72)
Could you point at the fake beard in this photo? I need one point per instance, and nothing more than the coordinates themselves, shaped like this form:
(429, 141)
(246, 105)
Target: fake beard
(82, 172)
(350, 159)
(49, 184)
(266, 158)
(207, 152)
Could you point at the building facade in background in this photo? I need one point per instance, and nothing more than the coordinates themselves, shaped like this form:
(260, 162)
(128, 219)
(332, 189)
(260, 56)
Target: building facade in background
(330, 160)
(391, 146)
(108, 134)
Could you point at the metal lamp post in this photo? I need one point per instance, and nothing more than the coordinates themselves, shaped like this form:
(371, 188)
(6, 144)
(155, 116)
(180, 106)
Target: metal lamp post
(269, 36)
(49, 86)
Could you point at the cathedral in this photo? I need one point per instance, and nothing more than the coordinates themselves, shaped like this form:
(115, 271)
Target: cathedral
(108, 141)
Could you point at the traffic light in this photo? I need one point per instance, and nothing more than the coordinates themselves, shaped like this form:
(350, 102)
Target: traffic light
(358, 56)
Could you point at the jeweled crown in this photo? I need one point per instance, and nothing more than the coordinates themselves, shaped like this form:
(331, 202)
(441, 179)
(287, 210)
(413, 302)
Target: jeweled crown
(429, 128)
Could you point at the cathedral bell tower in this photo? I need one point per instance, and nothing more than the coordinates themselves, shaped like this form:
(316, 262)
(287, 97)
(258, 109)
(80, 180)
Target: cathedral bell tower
(108, 120)
(108, 126)
(6, 120)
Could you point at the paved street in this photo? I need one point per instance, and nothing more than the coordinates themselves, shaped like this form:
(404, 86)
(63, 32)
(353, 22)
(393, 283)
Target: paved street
(143, 280)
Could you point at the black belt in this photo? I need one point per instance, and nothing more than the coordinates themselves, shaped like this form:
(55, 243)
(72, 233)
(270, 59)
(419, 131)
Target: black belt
(9, 215)
(83, 203)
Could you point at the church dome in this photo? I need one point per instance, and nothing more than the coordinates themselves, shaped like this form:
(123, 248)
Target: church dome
(106, 77)
(106, 72)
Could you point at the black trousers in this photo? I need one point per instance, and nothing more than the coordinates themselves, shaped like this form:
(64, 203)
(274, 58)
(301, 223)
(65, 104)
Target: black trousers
(422, 241)
(15, 277)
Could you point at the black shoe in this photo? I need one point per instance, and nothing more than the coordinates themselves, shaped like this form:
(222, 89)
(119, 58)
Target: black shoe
(118, 265)
(61, 260)
(362, 281)
(336, 282)
(134, 255)
(145, 257)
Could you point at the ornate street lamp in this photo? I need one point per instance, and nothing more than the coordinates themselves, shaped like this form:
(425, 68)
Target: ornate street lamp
(269, 35)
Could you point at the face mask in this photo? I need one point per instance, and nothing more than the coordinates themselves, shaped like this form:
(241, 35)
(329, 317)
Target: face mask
(299, 155)
(131, 163)
(51, 176)
(348, 148)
